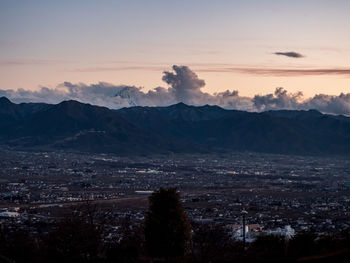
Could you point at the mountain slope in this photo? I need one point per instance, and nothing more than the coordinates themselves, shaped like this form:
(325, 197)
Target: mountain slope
(10, 112)
(177, 128)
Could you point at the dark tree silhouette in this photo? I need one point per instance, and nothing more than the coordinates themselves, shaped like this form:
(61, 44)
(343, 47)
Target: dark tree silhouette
(212, 243)
(129, 249)
(73, 241)
(268, 248)
(17, 246)
(167, 229)
(303, 244)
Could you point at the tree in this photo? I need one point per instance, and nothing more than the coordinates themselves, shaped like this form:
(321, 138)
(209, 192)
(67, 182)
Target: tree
(17, 246)
(303, 244)
(268, 248)
(167, 228)
(73, 240)
(212, 243)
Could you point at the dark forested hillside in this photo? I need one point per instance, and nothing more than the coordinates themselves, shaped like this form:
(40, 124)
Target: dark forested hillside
(176, 128)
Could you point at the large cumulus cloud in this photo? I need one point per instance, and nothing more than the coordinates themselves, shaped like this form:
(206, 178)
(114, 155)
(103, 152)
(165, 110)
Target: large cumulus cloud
(183, 86)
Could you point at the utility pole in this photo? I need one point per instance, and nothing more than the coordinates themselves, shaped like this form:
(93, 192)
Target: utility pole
(244, 214)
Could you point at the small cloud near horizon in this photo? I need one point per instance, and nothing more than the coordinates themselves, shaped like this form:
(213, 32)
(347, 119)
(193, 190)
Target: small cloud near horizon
(290, 54)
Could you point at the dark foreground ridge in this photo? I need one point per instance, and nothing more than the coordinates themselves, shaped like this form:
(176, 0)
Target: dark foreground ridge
(179, 128)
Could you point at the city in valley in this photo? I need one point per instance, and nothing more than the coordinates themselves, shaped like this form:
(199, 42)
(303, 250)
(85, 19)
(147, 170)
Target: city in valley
(283, 195)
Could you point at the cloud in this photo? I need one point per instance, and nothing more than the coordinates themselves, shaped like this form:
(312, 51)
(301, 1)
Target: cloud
(183, 86)
(281, 99)
(102, 94)
(290, 54)
(30, 62)
(120, 68)
(212, 68)
(330, 104)
(281, 72)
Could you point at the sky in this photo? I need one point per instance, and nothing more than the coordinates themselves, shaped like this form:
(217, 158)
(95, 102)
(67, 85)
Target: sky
(249, 47)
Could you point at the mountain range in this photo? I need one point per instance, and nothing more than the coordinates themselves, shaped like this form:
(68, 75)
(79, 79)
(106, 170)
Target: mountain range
(179, 128)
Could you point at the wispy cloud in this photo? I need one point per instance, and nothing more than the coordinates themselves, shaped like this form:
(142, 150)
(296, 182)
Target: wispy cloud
(30, 62)
(148, 66)
(217, 68)
(290, 54)
(278, 72)
(122, 68)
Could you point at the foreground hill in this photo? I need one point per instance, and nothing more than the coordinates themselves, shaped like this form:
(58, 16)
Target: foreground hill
(177, 128)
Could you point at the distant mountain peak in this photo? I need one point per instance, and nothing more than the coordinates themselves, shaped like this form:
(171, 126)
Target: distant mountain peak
(5, 101)
(72, 104)
(180, 105)
(69, 102)
(125, 93)
(315, 111)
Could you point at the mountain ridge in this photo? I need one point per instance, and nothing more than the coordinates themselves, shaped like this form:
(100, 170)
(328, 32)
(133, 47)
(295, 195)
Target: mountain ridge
(179, 128)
